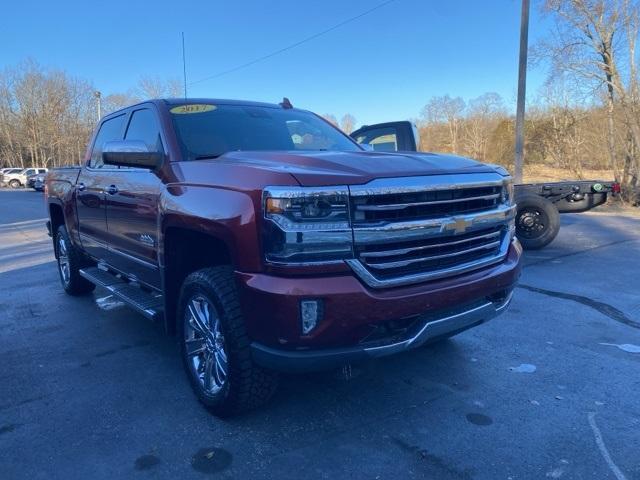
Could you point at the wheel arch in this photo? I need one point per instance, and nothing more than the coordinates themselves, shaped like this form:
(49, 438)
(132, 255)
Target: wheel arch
(184, 251)
(56, 216)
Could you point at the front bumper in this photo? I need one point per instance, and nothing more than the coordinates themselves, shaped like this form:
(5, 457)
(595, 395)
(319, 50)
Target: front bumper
(430, 328)
(354, 313)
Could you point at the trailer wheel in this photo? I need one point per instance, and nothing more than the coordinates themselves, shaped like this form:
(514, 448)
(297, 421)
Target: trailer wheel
(537, 221)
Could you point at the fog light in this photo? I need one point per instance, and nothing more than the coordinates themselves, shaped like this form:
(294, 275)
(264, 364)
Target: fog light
(310, 314)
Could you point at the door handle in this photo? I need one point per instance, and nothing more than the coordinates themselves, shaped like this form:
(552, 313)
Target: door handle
(80, 187)
(112, 190)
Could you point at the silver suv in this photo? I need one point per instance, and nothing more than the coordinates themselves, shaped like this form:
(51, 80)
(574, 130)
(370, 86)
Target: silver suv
(19, 179)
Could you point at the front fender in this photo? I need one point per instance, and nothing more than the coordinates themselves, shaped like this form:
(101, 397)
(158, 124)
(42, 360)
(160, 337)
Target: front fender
(227, 215)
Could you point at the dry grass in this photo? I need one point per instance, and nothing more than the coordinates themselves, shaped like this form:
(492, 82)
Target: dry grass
(544, 173)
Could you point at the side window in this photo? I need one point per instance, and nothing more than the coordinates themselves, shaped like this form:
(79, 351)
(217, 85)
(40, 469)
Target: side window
(110, 130)
(144, 126)
(31, 171)
(381, 139)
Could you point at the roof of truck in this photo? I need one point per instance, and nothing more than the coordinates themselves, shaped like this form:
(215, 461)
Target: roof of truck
(188, 101)
(218, 101)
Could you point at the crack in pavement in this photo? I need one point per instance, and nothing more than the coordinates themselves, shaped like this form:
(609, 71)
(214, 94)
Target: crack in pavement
(604, 308)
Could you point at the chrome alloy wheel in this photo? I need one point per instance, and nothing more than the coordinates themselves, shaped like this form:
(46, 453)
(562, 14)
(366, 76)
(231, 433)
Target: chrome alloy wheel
(204, 345)
(63, 261)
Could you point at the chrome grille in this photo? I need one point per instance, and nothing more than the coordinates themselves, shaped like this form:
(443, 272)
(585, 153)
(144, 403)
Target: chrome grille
(422, 228)
(426, 204)
(407, 258)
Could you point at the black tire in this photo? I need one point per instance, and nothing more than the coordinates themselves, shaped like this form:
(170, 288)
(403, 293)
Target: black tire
(246, 385)
(537, 221)
(68, 271)
(15, 183)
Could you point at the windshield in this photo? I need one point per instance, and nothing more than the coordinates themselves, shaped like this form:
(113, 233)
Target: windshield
(208, 131)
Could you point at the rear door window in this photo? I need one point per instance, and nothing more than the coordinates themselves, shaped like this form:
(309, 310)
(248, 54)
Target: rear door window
(110, 130)
(144, 126)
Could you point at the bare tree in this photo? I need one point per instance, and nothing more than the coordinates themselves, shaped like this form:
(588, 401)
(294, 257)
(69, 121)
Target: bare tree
(156, 87)
(448, 111)
(560, 125)
(147, 88)
(116, 101)
(348, 123)
(44, 116)
(594, 41)
(331, 118)
(483, 115)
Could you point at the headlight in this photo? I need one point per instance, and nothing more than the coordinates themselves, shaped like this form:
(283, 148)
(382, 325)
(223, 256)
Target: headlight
(507, 198)
(306, 225)
(507, 191)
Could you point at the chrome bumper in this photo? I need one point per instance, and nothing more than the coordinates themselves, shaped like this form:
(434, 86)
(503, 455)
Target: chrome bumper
(432, 327)
(443, 326)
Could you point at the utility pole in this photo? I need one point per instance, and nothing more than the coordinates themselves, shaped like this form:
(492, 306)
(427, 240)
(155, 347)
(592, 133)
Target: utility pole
(98, 96)
(522, 90)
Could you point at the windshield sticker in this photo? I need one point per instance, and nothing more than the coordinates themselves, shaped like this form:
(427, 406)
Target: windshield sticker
(193, 108)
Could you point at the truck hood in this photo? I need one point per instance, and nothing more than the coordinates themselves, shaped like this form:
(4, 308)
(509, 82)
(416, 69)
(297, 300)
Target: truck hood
(351, 168)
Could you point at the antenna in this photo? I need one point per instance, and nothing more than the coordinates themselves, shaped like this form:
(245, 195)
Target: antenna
(184, 68)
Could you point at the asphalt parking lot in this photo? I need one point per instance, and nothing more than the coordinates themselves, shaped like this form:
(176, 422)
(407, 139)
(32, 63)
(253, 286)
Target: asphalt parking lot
(548, 390)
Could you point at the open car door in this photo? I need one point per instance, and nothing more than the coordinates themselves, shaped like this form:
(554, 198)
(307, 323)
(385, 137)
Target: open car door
(389, 137)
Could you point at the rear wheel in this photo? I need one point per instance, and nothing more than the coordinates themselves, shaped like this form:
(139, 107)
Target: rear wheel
(15, 183)
(537, 221)
(70, 261)
(215, 346)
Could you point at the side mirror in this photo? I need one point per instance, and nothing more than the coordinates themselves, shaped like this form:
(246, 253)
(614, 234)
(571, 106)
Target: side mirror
(130, 153)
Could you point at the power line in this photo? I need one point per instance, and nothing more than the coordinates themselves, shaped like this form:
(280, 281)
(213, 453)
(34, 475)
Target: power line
(293, 45)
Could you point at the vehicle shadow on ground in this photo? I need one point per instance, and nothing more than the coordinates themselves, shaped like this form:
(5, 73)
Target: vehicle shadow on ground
(358, 394)
(38, 304)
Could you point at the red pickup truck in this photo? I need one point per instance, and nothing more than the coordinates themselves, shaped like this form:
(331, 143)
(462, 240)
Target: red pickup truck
(267, 240)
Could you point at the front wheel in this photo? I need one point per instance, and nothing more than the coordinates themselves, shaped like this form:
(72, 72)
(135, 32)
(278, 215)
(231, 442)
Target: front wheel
(15, 183)
(215, 345)
(537, 221)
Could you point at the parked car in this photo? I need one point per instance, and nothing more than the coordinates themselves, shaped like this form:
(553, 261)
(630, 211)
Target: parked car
(19, 179)
(268, 240)
(37, 182)
(539, 205)
(8, 171)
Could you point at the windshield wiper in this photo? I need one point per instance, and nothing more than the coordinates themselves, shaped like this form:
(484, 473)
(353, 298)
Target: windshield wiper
(208, 156)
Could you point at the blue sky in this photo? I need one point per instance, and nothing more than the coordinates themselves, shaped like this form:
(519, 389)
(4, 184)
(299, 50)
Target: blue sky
(381, 67)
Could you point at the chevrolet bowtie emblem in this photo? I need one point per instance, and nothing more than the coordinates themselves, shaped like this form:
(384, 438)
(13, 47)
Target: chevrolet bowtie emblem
(459, 225)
